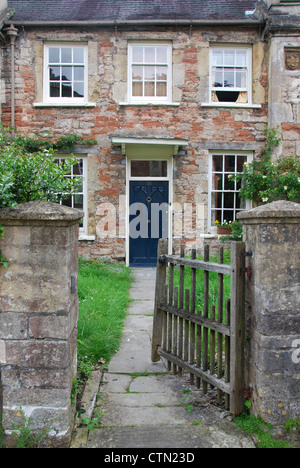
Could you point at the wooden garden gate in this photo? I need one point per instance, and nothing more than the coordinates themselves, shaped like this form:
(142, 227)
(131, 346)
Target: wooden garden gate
(208, 344)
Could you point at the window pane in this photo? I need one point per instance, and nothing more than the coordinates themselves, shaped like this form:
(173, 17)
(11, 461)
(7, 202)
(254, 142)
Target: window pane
(137, 54)
(161, 73)
(67, 201)
(66, 90)
(161, 89)
(161, 55)
(241, 79)
(241, 160)
(217, 181)
(78, 90)
(217, 163)
(149, 88)
(78, 168)
(229, 57)
(240, 203)
(137, 73)
(217, 78)
(230, 163)
(216, 215)
(217, 57)
(229, 78)
(54, 89)
(66, 55)
(78, 202)
(229, 200)
(149, 168)
(66, 73)
(241, 58)
(149, 54)
(78, 55)
(137, 89)
(79, 73)
(149, 73)
(54, 73)
(228, 215)
(54, 55)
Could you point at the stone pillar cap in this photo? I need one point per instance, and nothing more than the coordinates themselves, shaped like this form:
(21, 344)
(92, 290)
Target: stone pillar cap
(41, 211)
(279, 211)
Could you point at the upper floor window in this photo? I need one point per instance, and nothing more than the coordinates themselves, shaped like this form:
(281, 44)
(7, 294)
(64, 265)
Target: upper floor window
(65, 73)
(150, 72)
(230, 74)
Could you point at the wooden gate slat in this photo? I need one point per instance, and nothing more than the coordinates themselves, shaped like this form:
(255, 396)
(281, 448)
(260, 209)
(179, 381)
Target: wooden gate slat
(207, 344)
(212, 379)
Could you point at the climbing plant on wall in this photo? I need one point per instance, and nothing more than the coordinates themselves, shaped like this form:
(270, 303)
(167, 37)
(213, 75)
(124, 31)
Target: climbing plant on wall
(27, 176)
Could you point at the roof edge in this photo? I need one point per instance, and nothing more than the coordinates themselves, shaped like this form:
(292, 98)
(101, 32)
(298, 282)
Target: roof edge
(187, 22)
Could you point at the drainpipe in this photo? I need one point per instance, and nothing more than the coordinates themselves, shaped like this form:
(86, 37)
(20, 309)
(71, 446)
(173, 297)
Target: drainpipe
(12, 32)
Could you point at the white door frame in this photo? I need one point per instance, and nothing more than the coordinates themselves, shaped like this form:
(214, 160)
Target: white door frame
(159, 149)
(143, 154)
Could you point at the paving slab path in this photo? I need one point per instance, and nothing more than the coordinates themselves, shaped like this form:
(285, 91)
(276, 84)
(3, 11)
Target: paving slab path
(145, 406)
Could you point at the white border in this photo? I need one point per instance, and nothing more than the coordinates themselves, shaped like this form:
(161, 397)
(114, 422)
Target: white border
(169, 179)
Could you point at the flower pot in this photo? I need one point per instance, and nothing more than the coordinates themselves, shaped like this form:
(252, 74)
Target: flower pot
(224, 230)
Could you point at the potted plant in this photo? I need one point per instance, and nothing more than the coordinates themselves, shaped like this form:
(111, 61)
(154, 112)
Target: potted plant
(224, 228)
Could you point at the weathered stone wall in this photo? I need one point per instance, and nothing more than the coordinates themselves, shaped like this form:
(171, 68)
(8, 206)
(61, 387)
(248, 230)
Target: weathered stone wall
(205, 127)
(38, 318)
(271, 234)
(284, 74)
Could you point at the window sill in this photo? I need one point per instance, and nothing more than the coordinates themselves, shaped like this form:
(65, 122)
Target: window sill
(85, 237)
(231, 104)
(212, 235)
(66, 104)
(141, 103)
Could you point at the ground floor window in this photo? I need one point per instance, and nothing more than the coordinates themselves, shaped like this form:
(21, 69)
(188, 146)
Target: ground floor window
(79, 199)
(224, 199)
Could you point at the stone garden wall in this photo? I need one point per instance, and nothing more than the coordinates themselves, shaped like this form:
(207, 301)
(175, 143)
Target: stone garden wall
(271, 233)
(38, 318)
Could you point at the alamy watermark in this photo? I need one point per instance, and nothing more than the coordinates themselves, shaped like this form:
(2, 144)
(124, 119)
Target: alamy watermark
(150, 220)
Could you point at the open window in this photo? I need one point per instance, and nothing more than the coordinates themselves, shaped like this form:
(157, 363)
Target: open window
(230, 75)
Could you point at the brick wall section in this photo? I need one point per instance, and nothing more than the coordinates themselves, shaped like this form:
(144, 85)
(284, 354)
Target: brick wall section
(203, 126)
(38, 318)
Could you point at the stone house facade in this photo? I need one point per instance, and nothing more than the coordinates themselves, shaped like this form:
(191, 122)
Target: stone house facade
(177, 95)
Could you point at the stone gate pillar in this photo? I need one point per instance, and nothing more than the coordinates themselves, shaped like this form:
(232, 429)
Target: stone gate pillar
(271, 234)
(38, 317)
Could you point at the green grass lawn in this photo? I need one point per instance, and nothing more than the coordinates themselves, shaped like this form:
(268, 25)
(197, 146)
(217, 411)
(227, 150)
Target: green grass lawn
(103, 291)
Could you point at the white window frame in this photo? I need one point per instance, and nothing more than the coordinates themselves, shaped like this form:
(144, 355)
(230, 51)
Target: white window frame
(65, 100)
(247, 88)
(249, 156)
(150, 99)
(84, 229)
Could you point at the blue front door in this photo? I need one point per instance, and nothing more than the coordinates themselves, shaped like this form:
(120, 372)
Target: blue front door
(148, 220)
